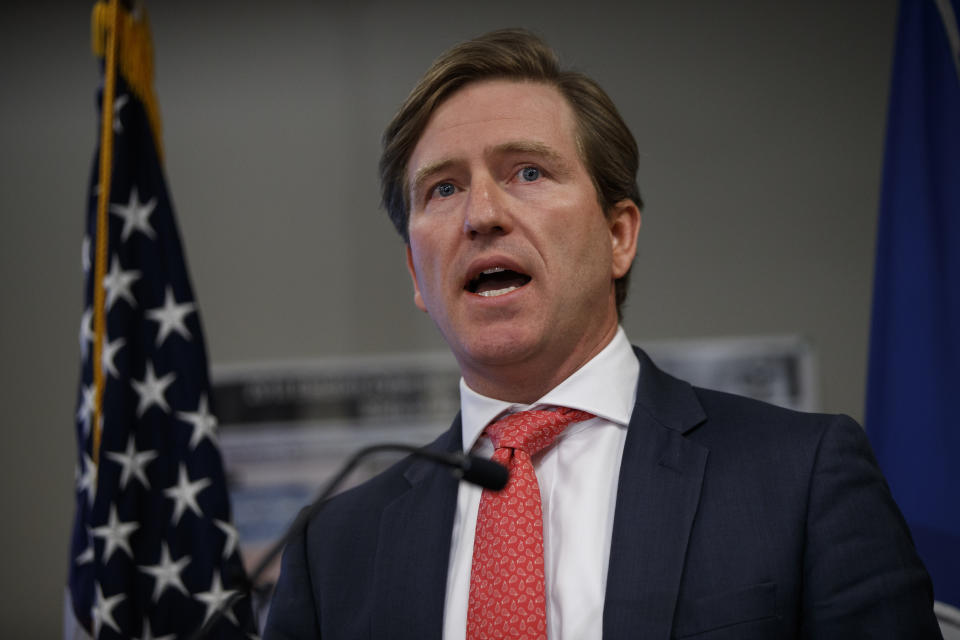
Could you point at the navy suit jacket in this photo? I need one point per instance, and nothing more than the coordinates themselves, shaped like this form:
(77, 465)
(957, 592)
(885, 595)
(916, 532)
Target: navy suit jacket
(734, 519)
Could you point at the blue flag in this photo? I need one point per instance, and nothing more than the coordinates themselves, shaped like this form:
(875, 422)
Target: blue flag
(153, 552)
(914, 372)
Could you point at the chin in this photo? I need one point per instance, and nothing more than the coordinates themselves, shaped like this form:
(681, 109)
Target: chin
(499, 349)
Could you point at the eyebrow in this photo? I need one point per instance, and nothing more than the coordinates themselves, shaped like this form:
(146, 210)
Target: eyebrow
(515, 146)
(526, 146)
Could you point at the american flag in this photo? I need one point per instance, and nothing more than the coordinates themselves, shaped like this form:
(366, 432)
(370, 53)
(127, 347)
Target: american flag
(153, 552)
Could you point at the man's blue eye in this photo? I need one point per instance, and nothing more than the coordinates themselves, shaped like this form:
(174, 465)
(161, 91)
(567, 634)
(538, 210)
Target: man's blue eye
(445, 189)
(530, 173)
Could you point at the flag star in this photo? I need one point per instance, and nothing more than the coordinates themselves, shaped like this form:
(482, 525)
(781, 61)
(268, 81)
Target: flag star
(85, 556)
(109, 351)
(151, 389)
(185, 493)
(117, 283)
(85, 412)
(171, 316)
(118, 104)
(167, 573)
(204, 423)
(148, 633)
(86, 331)
(115, 534)
(135, 214)
(215, 598)
(103, 611)
(230, 544)
(85, 253)
(133, 463)
(88, 479)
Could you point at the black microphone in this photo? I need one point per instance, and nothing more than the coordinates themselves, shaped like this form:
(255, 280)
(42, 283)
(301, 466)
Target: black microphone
(484, 473)
(475, 470)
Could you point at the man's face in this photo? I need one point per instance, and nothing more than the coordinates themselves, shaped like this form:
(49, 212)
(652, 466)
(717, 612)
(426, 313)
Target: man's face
(510, 252)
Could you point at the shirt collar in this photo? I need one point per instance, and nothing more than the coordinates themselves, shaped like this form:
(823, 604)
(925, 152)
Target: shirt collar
(605, 386)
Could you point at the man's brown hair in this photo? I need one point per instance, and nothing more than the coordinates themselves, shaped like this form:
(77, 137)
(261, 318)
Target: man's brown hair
(607, 148)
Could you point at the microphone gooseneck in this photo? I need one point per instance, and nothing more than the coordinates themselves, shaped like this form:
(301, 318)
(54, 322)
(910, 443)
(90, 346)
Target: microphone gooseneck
(475, 470)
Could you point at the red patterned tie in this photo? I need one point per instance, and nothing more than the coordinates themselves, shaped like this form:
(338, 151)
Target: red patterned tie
(506, 580)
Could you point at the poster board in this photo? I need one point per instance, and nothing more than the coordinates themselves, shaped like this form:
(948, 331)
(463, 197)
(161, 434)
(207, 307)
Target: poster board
(286, 427)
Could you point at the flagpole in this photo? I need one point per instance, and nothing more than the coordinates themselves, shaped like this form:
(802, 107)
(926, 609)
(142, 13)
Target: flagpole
(103, 200)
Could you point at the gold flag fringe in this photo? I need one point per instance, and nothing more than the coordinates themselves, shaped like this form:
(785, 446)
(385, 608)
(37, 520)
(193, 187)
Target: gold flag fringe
(134, 56)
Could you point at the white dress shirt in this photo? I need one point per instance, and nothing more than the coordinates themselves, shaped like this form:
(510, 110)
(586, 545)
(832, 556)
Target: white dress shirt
(578, 477)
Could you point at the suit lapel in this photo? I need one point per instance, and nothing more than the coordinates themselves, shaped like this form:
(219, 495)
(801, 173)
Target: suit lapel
(657, 498)
(413, 548)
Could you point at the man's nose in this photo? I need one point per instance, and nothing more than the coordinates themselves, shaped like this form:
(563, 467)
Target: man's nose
(487, 211)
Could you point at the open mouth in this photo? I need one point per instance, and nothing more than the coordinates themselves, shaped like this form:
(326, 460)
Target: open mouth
(496, 281)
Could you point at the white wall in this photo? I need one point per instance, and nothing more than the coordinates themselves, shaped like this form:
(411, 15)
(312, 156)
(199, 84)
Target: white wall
(760, 124)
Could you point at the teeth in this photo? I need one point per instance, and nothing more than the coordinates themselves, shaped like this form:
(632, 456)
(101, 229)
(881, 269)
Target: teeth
(492, 270)
(497, 292)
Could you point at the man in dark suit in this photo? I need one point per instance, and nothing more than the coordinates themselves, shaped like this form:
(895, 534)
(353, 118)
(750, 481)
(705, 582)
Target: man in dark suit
(663, 510)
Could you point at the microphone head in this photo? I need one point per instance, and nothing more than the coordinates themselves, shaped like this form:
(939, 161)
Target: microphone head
(485, 473)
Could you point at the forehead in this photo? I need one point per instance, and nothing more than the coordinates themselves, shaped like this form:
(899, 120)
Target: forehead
(491, 113)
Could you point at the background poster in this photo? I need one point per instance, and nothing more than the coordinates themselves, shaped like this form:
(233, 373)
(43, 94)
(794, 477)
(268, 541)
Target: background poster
(285, 428)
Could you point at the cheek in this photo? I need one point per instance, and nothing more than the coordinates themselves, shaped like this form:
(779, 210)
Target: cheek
(584, 233)
(428, 265)
(594, 254)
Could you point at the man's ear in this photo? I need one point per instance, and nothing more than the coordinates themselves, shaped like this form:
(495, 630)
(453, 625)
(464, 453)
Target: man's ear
(624, 222)
(417, 298)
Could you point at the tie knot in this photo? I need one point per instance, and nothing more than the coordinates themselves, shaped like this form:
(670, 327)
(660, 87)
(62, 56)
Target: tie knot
(532, 431)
